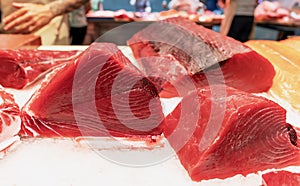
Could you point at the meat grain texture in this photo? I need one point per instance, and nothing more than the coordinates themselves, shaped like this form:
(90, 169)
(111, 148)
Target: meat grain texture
(205, 56)
(281, 178)
(10, 122)
(235, 133)
(21, 67)
(217, 131)
(101, 93)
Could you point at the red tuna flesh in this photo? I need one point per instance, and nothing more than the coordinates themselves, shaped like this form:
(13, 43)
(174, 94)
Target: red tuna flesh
(169, 76)
(281, 178)
(21, 67)
(10, 122)
(249, 72)
(208, 57)
(100, 93)
(195, 46)
(232, 132)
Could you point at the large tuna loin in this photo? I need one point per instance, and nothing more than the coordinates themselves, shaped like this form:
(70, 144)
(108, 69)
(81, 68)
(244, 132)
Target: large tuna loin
(21, 67)
(101, 93)
(197, 49)
(234, 133)
(10, 122)
(193, 45)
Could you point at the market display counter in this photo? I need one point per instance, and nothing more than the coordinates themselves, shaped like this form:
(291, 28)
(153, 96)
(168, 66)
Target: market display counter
(120, 30)
(14, 41)
(285, 28)
(101, 22)
(91, 161)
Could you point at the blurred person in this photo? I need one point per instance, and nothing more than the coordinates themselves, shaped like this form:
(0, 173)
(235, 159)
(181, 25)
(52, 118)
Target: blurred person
(164, 5)
(96, 5)
(211, 5)
(0, 13)
(267, 10)
(274, 10)
(238, 19)
(141, 5)
(78, 24)
(186, 5)
(46, 18)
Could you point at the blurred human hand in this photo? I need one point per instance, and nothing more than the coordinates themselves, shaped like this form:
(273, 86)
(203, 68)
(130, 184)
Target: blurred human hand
(221, 3)
(270, 10)
(27, 18)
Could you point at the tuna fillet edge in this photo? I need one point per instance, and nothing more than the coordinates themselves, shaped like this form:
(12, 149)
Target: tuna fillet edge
(234, 133)
(99, 94)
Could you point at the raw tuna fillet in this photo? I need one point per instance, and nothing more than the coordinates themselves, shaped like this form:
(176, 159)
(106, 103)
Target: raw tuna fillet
(230, 132)
(10, 122)
(286, 62)
(250, 73)
(195, 46)
(207, 56)
(169, 76)
(21, 67)
(281, 178)
(100, 93)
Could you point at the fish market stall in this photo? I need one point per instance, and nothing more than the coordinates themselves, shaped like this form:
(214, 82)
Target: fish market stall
(100, 22)
(155, 111)
(284, 27)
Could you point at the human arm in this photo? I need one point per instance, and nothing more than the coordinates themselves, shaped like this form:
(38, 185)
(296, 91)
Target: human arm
(30, 17)
(221, 3)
